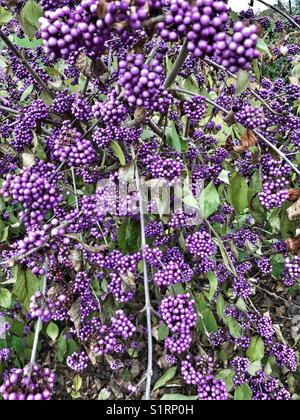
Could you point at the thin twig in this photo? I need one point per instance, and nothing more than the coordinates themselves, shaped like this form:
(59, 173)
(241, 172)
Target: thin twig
(156, 129)
(146, 286)
(26, 64)
(214, 64)
(177, 66)
(257, 133)
(38, 329)
(281, 12)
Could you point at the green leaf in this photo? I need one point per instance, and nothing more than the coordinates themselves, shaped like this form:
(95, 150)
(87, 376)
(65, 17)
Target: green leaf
(234, 328)
(221, 307)
(211, 199)
(104, 394)
(243, 393)
(209, 321)
(165, 378)
(29, 18)
(77, 383)
(227, 376)
(5, 298)
(213, 282)
(52, 331)
(256, 351)
(61, 348)
(26, 286)
(26, 92)
(263, 47)
(174, 140)
(117, 149)
(163, 332)
(254, 367)
(238, 193)
(243, 82)
(129, 236)
(177, 397)
(5, 16)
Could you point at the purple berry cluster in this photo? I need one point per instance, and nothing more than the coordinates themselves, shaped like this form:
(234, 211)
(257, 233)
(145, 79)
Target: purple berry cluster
(238, 51)
(179, 315)
(21, 385)
(78, 361)
(70, 146)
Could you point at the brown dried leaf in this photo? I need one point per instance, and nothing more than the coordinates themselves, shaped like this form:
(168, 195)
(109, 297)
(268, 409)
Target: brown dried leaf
(128, 282)
(74, 313)
(294, 210)
(101, 9)
(248, 140)
(294, 194)
(293, 245)
(139, 114)
(76, 259)
(84, 64)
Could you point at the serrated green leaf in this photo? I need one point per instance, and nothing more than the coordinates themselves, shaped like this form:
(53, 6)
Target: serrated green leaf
(77, 383)
(165, 378)
(234, 328)
(27, 284)
(61, 348)
(227, 376)
(263, 47)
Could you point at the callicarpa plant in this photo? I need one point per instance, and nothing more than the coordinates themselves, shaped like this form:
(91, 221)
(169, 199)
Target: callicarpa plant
(149, 200)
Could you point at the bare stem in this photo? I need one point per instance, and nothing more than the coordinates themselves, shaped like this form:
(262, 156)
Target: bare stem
(177, 66)
(38, 329)
(148, 307)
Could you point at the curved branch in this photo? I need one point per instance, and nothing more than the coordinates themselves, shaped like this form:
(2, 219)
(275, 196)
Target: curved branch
(281, 12)
(25, 63)
(257, 133)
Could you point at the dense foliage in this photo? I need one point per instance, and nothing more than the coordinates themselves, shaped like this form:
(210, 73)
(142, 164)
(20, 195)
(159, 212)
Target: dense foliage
(101, 295)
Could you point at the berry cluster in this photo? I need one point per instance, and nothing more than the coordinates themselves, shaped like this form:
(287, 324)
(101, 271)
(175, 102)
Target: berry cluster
(21, 384)
(179, 315)
(140, 80)
(78, 361)
(69, 146)
(238, 51)
(275, 174)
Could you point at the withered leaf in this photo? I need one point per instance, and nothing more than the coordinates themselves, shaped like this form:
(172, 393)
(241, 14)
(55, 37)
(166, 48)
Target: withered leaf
(139, 114)
(84, 64)
(76, 259)
(294, 194)
(101, 9)
(294, 210)
(248, 140)
(74, 313)
(6, 149)
(293, 245)
(128, 282)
